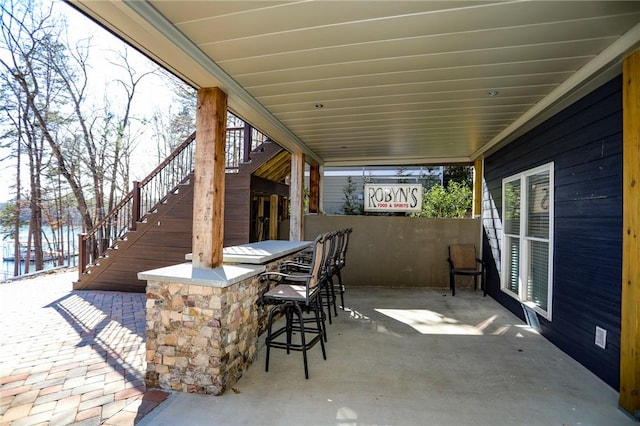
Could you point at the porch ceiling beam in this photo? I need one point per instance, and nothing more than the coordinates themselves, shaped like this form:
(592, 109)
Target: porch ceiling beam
(400, 161)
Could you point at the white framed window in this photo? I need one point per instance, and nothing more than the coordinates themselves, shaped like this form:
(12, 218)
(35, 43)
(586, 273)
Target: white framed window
(527, 255)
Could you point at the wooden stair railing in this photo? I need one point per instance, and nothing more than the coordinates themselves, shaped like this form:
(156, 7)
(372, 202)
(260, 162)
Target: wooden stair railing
(145, 195)
(154, 190)
(241, 142)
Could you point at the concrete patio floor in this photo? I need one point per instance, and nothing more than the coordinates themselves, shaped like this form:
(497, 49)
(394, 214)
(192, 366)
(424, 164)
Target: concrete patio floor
(412, 357)
(395, 356)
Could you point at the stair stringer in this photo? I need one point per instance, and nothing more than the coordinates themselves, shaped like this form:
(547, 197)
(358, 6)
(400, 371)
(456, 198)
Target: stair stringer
(162, 239)
(259, 156)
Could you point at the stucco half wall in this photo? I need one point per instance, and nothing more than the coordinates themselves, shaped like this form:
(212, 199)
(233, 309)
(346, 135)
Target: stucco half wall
(397, 251)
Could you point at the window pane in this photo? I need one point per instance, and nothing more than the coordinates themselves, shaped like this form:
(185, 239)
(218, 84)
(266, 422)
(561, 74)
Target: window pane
(513, 262)
(538, 205)
(538, 273)
(512, 207)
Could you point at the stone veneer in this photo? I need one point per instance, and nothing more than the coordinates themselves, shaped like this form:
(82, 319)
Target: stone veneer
(201, 338)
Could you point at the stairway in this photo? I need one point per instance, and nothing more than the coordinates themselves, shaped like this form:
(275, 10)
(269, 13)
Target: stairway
(164, 235)
(162, 239)
(263, 155)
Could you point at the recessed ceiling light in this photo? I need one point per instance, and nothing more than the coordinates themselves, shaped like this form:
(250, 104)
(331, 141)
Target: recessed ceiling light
(319, 106)
(493, 93)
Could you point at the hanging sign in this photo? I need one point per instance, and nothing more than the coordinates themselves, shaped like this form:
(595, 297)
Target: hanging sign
(392, 198)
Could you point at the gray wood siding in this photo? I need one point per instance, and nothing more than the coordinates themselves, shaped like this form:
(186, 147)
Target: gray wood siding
(333, 192)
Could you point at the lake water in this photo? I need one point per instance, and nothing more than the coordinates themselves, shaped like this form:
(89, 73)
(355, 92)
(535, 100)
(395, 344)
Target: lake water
(7, 267)
(7, 249)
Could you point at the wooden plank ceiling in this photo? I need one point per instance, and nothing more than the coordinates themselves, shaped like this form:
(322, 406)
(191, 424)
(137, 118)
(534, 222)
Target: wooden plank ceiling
(384, 82)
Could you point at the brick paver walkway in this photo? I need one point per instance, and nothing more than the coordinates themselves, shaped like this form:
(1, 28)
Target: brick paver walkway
(71, 357)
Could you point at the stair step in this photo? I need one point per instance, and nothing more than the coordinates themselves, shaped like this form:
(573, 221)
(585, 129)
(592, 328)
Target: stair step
(121, 247)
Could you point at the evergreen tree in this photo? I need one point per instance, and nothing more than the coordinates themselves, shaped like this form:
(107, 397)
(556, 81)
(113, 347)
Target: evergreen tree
(351, 204)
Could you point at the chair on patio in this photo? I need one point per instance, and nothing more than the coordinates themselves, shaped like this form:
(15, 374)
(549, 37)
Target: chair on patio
(463, 261)
(292, 294)
(340, 263)
(302, 264)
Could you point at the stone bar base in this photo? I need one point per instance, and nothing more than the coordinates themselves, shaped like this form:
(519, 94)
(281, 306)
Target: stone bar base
(202, 325)
(200, 339)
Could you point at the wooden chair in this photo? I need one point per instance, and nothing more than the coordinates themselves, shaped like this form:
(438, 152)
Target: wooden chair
(464, 261)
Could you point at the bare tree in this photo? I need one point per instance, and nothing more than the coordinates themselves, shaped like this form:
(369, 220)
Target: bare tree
(124, 140)
(89, 147)
(171, 129)
(32, 84)
(13, 108)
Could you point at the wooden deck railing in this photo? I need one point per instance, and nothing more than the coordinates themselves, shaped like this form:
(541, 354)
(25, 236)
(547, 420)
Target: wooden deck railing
(147, 194)
(144, 196)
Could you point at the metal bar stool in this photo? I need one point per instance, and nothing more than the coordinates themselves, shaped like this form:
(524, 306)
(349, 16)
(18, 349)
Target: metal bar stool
(293, 294)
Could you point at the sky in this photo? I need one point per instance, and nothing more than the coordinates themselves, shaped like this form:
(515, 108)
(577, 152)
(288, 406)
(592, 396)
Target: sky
(153, 91)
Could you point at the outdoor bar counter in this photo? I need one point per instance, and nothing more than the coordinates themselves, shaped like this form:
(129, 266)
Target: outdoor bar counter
(203, 324)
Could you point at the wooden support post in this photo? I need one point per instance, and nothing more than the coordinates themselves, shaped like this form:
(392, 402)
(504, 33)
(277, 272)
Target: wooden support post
(273, 217)
(260, 206)
(314, 189)
(135, 213)
(260, 219)
(208, 190)
(296, 189)
(320, 189)
(630, 324)
(247, 142)
(82, 255)
(477, 188)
